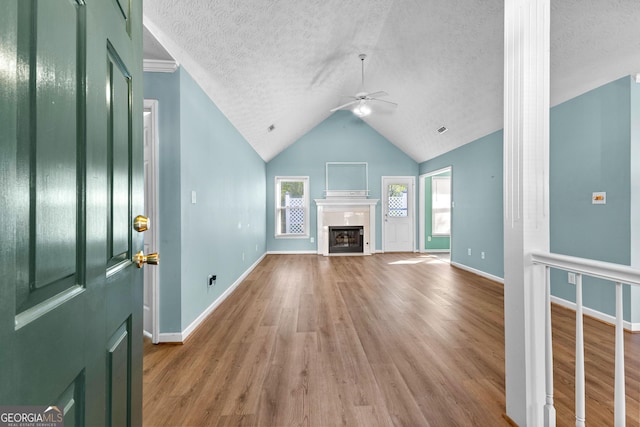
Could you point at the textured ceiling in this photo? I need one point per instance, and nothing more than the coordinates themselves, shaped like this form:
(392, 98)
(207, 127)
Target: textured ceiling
(288, 62)
(153, 50)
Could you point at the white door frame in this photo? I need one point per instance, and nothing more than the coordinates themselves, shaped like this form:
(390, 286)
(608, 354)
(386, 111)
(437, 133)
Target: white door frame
(151, 186)
(422, 180)
(411, 206)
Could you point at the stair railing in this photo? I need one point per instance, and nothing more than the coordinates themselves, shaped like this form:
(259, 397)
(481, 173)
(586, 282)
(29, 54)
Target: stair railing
(614, 273)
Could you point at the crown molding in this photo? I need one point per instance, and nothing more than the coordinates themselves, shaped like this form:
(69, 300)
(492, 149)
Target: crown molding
(159, 66)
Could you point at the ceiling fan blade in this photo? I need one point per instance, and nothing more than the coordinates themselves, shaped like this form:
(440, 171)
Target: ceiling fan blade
(377, 94)
(344, 105)
(382, 100)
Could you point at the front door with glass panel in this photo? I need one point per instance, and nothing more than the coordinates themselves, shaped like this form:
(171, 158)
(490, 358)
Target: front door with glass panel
(398, 216)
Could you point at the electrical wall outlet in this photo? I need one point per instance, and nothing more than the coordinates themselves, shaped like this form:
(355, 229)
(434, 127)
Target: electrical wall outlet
(312, 239)
(571, 278)
(482, 255)
(469, 251)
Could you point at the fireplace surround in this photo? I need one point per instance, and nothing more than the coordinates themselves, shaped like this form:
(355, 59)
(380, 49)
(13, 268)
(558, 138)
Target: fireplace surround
(346, 212)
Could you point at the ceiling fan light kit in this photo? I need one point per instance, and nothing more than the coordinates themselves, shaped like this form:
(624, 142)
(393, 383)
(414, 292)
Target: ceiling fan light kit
(362, 109)
(361, 99)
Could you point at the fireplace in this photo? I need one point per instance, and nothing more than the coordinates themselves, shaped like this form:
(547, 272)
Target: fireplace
(346, 239)
(337, 212)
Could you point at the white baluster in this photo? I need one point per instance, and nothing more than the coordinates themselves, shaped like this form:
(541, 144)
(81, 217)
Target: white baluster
(619, 394)
(549, 409)
(580, 379)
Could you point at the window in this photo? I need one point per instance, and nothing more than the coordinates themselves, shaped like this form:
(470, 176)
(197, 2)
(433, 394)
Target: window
(292, 206)
(397, 202)
(441, 205)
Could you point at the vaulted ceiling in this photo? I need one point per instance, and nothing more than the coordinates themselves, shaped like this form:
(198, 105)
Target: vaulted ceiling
(287, 63)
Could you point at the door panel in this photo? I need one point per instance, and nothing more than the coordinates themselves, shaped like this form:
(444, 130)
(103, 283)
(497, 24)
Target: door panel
(119, 157)
(47, 173)
(70, 178)
(398, 217)
(71, 402)
(118, 376)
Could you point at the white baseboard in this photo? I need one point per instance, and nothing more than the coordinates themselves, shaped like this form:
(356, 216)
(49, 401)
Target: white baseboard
(180, 337)
(606, 318)
(478, 272)
(435, 251)
(170, 337)
(293, 253)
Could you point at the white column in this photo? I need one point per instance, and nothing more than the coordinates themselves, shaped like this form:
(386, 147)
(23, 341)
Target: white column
(526, 204)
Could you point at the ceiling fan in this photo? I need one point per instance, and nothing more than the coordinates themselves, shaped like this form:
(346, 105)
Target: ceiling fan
(361, 98)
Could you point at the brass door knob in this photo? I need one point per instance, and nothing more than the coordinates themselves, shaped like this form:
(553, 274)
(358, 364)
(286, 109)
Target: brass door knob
(141, 223)
(140, 258)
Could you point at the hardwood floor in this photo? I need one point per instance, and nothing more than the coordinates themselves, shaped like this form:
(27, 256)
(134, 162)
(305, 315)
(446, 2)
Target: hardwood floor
(390, 339)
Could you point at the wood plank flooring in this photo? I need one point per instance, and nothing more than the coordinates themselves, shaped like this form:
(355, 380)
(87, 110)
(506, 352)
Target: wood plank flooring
(390, 339)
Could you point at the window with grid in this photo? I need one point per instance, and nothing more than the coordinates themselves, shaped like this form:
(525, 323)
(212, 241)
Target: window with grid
(292, 206)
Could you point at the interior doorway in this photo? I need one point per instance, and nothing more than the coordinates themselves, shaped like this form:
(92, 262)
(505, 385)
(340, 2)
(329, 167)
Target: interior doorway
(436, 202)
(151, 324)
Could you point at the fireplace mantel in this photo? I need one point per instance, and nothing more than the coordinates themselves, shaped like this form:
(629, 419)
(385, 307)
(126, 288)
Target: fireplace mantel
(342, 211)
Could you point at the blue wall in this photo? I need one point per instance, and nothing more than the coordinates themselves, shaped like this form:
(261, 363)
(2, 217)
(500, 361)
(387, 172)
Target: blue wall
(589, 151)
(165, 87)
(340, 138)
(635, 197)
(477, 217)
(223, 233)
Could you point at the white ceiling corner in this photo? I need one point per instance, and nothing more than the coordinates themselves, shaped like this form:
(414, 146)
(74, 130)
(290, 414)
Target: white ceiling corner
(289, 62)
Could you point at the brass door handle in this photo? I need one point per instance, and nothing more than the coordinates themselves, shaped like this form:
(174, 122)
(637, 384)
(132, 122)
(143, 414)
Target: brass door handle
(140, 258)
(141, 223)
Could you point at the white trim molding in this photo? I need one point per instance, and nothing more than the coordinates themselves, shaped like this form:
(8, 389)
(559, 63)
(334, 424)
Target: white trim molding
(159, 66)
(478, 272)
(152, 188)
(291, 252)
(170, 338)
(337, 211)
(603, 317)
(180, 337)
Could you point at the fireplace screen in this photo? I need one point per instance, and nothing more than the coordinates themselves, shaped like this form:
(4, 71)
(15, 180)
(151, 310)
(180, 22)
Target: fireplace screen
(344, 239)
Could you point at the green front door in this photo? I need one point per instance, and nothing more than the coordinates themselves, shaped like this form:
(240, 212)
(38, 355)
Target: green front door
(70, 185)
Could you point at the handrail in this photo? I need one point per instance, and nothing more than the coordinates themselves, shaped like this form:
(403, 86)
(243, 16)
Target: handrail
(619, 275)
(589, 267)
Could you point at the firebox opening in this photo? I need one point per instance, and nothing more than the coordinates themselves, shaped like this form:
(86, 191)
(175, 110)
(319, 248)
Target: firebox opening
(346, 239)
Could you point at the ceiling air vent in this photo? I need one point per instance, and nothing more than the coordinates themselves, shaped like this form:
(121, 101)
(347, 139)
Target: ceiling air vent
(442, 130)
(271, 128)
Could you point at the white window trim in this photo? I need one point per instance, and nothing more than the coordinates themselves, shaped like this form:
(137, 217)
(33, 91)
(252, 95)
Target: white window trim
(277, 207)
(434, 179)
